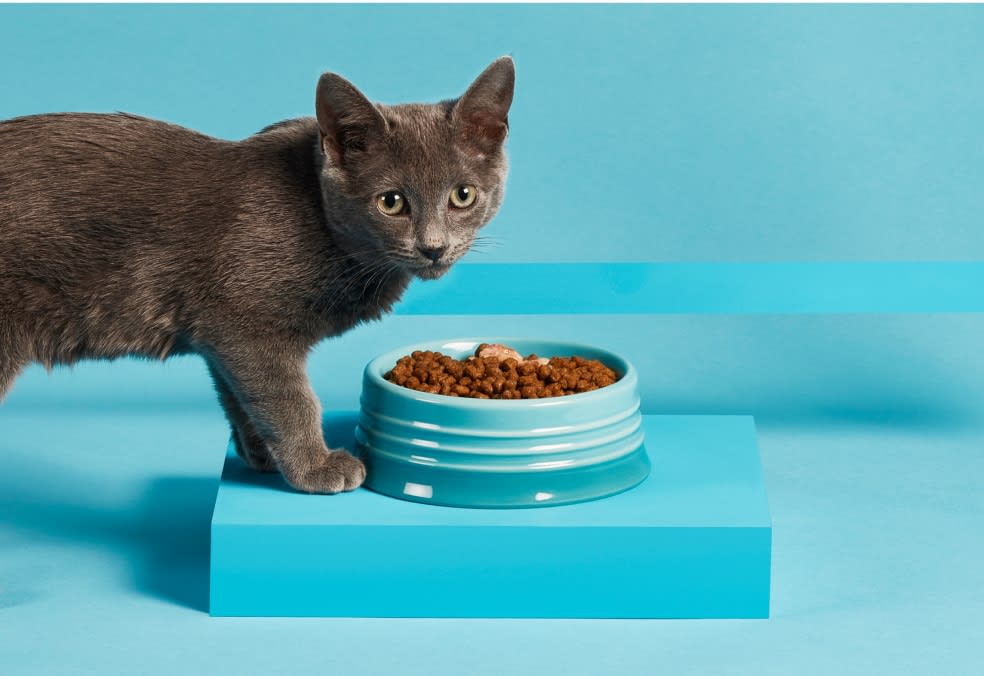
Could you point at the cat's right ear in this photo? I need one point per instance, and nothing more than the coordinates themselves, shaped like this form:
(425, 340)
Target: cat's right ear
(347, 119)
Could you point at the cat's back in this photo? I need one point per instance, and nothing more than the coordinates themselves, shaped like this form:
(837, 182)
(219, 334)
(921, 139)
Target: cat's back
(92, 201)
(57, 168)
(61, 145)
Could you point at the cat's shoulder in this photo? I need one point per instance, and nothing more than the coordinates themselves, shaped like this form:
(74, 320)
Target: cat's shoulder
(297, 127)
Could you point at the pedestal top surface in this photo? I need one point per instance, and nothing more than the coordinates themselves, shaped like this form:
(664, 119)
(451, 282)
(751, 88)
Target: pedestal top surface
(706, 473)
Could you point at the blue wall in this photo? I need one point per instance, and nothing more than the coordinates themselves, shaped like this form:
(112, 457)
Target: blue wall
(639, 133)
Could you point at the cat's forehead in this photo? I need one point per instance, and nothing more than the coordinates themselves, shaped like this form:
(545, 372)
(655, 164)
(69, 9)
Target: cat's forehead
(420, 134)
(420, 153)
(423, 121)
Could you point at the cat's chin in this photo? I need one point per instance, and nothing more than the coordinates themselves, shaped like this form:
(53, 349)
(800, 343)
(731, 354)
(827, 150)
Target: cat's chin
(435, 271)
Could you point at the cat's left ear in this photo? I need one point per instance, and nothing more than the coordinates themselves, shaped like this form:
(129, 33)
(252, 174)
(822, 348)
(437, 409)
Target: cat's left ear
(481, 116)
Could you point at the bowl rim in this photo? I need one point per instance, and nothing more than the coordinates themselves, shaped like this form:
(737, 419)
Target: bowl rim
(374, 373)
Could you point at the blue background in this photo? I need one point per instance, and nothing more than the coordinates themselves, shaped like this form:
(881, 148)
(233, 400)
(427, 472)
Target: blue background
(639, 133)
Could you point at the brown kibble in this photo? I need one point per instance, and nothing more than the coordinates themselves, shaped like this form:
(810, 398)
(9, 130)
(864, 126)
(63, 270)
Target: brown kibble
(498, 372)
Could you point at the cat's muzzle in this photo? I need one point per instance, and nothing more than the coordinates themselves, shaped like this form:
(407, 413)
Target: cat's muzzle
(433, 270)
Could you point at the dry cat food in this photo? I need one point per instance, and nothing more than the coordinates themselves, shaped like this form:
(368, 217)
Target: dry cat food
(499, 372)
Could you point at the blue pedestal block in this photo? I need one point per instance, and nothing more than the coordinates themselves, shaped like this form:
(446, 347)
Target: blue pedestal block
(694, 540)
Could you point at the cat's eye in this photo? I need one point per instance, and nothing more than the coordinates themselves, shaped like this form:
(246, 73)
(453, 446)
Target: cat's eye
(463, 196)
(391, 203)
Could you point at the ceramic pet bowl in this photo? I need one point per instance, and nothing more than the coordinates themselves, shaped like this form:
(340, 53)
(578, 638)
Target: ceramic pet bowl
(467, 452)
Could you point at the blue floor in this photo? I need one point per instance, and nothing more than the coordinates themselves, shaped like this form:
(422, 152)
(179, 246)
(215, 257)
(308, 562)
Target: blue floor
(104, 538)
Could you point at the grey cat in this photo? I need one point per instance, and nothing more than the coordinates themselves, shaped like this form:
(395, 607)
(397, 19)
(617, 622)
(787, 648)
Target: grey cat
(121, 235)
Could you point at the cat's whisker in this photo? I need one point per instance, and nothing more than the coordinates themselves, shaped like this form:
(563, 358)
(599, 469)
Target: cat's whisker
(492, 241)
(363, 273)
(353, 275)
(381, 284)
(359, 276)
(371, 274)
(350, 255)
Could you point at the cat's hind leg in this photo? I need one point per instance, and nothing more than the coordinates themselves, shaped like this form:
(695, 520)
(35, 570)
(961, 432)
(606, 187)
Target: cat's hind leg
(250, 447)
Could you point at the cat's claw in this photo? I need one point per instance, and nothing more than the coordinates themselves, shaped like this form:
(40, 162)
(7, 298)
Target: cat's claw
(338, 471)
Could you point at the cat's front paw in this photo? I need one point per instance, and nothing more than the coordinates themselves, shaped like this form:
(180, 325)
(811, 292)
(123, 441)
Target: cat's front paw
(335, 472)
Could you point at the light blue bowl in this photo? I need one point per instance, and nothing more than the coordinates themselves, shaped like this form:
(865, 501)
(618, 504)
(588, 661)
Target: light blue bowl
(467, 452)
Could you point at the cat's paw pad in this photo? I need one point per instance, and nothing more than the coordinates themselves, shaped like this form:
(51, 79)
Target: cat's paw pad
(338, 471)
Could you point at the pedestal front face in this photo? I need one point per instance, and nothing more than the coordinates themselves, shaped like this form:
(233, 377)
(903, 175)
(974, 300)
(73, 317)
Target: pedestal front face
(693, 540)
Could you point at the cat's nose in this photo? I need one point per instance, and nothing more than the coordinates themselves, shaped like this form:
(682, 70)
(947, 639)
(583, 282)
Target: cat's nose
(432, 252)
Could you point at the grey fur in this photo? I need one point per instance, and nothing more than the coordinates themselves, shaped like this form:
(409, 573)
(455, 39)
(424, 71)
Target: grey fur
(123, 236)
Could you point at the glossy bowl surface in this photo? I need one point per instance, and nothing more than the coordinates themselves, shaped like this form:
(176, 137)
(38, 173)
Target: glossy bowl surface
(467, 452)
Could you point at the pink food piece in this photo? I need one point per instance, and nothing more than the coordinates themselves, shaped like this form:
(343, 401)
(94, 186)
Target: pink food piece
(500, 352)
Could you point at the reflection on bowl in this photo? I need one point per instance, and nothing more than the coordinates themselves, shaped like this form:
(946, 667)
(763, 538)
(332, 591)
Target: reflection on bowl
(467, 452)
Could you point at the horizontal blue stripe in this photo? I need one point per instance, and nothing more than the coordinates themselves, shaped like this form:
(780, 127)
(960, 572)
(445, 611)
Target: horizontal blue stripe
(699, 288)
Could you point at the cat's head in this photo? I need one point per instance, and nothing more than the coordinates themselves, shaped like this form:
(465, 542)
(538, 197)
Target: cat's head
(410, 185)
